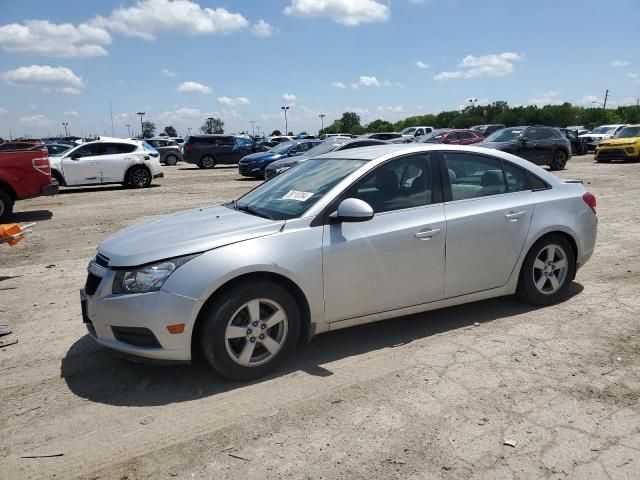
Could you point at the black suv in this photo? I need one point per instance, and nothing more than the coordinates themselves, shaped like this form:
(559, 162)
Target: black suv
(486, 130)
(540, 145)
(207, 151)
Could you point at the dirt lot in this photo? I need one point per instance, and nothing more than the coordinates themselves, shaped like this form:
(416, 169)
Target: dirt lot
(424, 397)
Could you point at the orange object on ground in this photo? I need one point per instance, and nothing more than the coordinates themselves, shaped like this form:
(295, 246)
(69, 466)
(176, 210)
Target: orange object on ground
(11, 233)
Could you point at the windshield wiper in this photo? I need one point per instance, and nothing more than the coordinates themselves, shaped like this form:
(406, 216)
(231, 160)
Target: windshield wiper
(252, 211)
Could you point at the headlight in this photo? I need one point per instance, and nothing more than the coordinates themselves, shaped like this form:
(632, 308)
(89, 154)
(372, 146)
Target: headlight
(149, 278)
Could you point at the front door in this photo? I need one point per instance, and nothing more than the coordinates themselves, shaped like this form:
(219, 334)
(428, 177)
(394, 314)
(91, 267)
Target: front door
(396, 259)
(80, 167)
(488, 220)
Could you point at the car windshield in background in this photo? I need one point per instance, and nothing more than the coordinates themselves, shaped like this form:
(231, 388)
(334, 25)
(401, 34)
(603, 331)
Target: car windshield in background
(295, 191)
(408, 131)
(148, 148)
(603, 130)
(629, 132)
(505, 135)
(433, 137)
(324, 147)
(282, 147)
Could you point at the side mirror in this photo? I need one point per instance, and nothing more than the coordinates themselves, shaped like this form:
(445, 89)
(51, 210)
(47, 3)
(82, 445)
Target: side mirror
(352, 210)
(74, 156)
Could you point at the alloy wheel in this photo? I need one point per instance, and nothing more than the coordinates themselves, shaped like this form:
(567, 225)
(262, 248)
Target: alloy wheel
(140, 177)
(550, 269)
(208, 162)
(256, 332)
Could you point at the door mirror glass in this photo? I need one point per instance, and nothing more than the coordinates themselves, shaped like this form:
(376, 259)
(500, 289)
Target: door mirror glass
(75, 156)
(353, 210)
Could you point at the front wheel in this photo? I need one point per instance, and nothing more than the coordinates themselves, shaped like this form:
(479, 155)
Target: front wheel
(6, 205)
(559, 160)
(250, 330)
(139, 177)
(171, 160)
(547, 271)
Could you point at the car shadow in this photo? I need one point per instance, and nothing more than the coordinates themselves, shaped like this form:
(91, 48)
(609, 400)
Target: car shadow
(31, 216)
(249, 179)
(106, 188)
(103, 376)
(217, 167)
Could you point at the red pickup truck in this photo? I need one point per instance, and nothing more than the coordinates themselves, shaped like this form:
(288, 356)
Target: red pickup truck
(24, 174)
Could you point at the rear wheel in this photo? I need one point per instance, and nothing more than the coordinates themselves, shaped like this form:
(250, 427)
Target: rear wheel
(547, 271)
(559, 160)
(6, 205)
(171, 160)
(139, 177)
(250, 330)
(207, 162)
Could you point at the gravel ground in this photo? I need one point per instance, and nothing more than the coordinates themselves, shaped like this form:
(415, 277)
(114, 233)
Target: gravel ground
(494, 389)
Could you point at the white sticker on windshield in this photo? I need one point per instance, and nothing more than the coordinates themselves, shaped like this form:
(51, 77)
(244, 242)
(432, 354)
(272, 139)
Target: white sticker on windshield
(298, 196)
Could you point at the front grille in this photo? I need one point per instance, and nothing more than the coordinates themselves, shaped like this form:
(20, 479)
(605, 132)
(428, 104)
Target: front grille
(244, 168)
(93, 281)
(612, 154)
(136, 336)
(102, 260)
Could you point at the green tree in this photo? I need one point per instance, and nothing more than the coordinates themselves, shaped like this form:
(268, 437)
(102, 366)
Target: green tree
(170, 131)
(379, 126)
(350, 123)
(276, 133)
(148, 129)
(212, 125)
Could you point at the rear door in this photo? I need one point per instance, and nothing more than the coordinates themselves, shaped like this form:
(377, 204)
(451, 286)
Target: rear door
(545, 145)
(488, 209)
(84, 169)
(114, 161)
(225, 151)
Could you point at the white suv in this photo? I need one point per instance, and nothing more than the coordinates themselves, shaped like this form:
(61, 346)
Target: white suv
(108, 160)
(415, 132)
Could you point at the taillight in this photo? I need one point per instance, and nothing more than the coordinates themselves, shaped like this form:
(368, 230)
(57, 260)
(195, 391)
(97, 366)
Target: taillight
(188, 148)
(590, 199)
(42, 165)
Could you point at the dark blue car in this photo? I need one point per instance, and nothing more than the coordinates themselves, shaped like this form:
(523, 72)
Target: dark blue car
(254, 165)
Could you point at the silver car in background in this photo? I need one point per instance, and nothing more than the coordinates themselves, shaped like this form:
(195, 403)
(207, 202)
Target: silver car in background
(340, 240)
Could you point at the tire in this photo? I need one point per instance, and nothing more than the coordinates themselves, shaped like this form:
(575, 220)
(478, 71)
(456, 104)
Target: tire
(139, 177)
(207, 162)
(230, 315)
(171, 160)
(535, 285)
(559, 160)
(6, 205)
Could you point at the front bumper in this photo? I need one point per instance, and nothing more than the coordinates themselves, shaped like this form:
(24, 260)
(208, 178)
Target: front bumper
(136, 324)
(52, 189)
(159, 175)
(614, 152)
(251, 170)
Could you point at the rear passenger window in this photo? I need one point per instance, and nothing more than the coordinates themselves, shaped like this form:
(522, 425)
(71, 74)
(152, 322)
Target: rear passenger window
(536, 184)
(516, 178)
(126, 148)
(474, 176)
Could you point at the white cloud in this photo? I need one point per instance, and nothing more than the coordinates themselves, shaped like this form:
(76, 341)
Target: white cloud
(55, 40)
(365, 81)
(194, 87)
(358, 110)
(262, 29)
(146, 18)
(388, 83)
(289, 98)
(346, 12)
(390, 108)
(48, 79)
(421, 64)
(3, 111)
(71, 113)
(620, 63)
(355, 86)
(545, 98)
(181, 114)
(589, 99)
(494, 65)
(338, 85)
(167, 73)
(36, 121)
(633, 75)
(232, 102)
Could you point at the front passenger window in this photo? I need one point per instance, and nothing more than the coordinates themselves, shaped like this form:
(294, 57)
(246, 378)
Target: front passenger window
(474, 176)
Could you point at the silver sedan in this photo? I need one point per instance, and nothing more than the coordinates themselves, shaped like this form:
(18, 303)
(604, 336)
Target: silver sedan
(340, 240)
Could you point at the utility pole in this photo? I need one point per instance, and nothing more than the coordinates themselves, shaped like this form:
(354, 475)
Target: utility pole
(322, 115)
(66, 133)
(189, 130)
(606, 95)
(286, 124)
(128, 125)
(141, 125)
(113, 131)
(253, 129)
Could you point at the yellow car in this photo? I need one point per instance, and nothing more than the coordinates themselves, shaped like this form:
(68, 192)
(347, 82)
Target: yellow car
(625, 146)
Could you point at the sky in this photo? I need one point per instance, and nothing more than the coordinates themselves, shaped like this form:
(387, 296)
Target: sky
(181, 61)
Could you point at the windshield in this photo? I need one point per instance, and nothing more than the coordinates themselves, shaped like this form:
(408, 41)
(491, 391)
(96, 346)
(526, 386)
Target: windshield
(629, 132)
(292, 193)
(408, 131)
(148, 148)
(603, 130)
(433, 137)
(57, 150)
(282, 147)
(324, 147)
(505, 135)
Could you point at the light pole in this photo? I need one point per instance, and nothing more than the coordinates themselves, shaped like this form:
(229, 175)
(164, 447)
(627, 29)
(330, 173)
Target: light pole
(322, 115)
(473, 101)
(66, 132)
(141, 125)
(253, 130)
(286, 124)
(128, 125)
(189, 130)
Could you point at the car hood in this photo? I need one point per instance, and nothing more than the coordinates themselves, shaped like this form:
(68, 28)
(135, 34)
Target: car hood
(620, 141)
(288, 162)
(262, 156)
(184, 233)
(496, 145)
(595, 135)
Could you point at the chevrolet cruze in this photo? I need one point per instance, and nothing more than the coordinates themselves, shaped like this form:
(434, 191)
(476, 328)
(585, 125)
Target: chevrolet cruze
(342, 239)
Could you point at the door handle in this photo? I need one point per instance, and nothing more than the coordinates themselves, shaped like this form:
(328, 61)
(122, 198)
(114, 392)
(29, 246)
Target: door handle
(514, 216)
(427, 233)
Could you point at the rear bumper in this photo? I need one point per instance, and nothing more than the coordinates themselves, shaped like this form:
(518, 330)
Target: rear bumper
(159, 175)
(52, 189)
